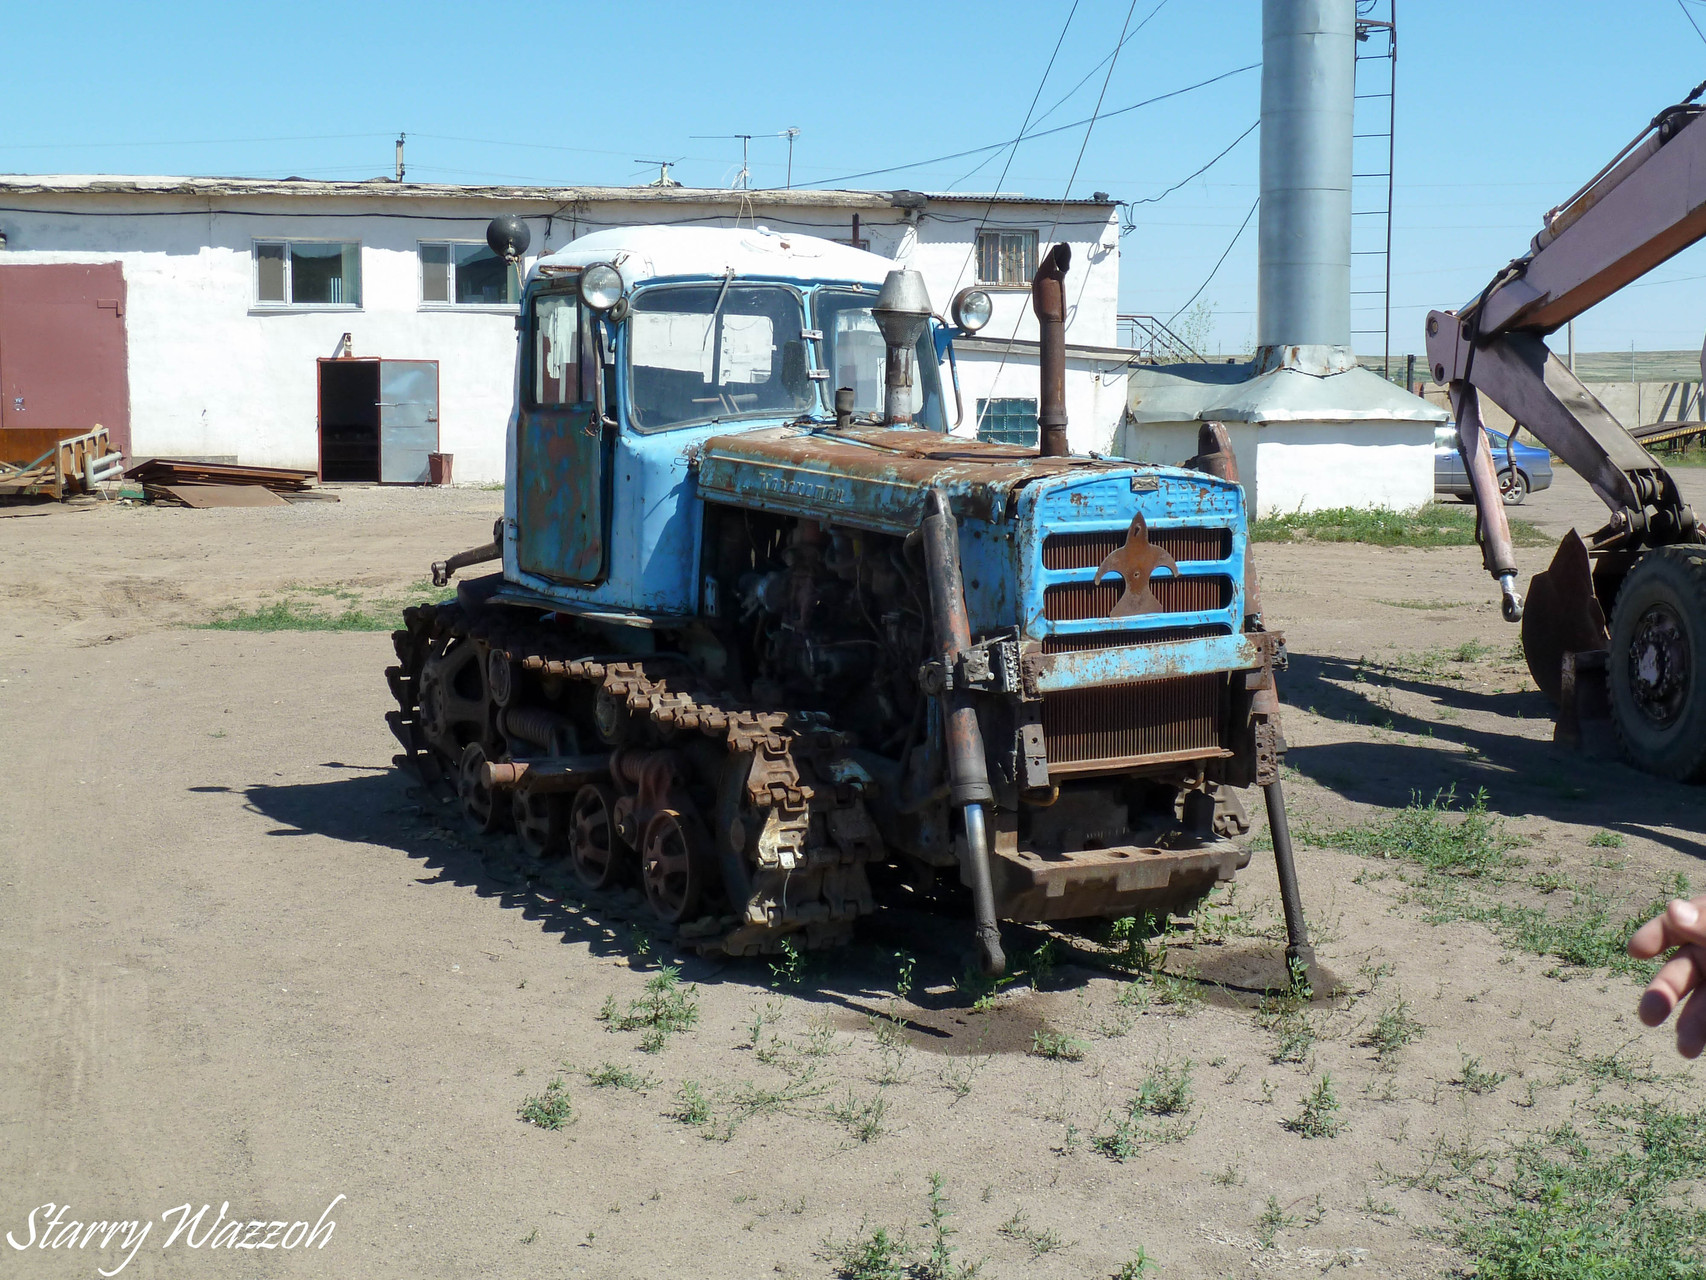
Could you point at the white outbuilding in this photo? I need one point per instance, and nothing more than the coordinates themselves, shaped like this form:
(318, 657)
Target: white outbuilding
(352, 328)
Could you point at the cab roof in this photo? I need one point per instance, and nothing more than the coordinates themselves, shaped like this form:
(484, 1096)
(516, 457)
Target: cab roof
(649, 252)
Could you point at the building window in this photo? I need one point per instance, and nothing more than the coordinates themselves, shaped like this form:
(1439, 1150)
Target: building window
(1006, 257)
(308, 273)
(1007, 421)
(466, 275)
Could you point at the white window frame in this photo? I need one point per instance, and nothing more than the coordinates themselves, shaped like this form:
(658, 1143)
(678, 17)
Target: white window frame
(977, 255)
(258, 305)
(491, 308)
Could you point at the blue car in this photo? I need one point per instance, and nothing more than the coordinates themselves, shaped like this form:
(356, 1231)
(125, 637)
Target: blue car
(1523, 469)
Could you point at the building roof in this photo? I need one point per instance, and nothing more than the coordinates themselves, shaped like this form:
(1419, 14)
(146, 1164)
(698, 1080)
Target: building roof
(644, 253)
(384, 188)
(1228, 393)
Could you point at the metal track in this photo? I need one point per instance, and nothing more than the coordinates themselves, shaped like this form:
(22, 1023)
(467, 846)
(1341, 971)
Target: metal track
(794, 836)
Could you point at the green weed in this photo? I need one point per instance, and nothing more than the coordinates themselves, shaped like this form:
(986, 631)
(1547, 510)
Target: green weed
(1039, 1242)
(1476, 1078)
(694, 1107)
(1610, 1203)
(611, 1076)
(863, 1118)
(1138, 1266)
(665, 1008)
(1319, 1113)
(1605, 840)
(791, 968)
(551, 1109)
(1057, 1046)
(294, 615)
(1393, 1029)
(1164, 1097)
(1272, 1222)
(878, 1255)
(1437, 835)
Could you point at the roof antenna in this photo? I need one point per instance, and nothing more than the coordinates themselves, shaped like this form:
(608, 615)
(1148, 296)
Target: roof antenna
(663, 179)
(400, 138)
(790, 133)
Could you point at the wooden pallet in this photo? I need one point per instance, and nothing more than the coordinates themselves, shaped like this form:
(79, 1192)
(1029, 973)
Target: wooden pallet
(63, 469)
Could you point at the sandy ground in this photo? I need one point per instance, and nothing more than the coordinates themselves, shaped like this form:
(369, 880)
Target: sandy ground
(239, 965)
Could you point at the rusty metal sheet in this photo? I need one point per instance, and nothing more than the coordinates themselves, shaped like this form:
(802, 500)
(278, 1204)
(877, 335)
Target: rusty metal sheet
(1107, 882)
(872, 477)
(224, 495)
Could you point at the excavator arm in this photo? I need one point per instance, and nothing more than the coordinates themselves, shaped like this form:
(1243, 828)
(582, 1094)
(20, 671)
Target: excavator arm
(1644, 207)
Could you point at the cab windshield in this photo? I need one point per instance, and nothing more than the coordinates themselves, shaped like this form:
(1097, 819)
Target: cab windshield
(716, 352)
(855, 355)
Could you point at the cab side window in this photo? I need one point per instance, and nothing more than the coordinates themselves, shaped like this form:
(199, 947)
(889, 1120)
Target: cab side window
(556, 352)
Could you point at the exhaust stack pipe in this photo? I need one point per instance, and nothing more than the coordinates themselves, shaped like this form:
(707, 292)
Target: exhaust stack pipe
(1048, 300)
(901, 311)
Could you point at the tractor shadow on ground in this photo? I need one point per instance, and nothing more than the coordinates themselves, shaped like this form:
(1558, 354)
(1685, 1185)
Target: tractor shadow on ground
(1521, 775)
(388, 809)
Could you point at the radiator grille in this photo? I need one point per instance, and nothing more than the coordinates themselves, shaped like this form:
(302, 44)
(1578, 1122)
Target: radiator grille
(1175, 717)
(1071, 601)
(1126, 639)
(1087, 550)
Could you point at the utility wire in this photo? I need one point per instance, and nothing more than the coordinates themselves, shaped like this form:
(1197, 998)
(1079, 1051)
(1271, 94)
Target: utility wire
(1113, 61)
(1235, 238)
(1035, 97)
(1093, 70)
(1199, 173)
(185, 142)
(1691, 21)
(1044, 133)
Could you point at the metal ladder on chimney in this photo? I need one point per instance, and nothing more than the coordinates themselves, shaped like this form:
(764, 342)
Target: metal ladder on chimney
(1371, 175)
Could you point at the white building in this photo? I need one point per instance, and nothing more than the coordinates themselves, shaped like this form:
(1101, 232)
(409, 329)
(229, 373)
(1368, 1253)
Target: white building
(207, 318)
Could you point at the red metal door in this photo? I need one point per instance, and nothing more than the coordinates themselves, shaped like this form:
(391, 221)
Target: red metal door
(63, 365)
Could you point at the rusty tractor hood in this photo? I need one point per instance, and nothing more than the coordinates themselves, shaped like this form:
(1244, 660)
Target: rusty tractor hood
(875, 477)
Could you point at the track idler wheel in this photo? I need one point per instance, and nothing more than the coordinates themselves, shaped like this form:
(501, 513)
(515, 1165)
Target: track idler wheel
(541, 821)
(674, 859)
(479, 803)
(1657, 667)
(595, 850)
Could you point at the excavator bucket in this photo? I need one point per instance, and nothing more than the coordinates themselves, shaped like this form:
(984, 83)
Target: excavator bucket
(1562, 616)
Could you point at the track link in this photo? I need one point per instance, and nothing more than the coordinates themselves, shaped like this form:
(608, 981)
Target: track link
(793, 838)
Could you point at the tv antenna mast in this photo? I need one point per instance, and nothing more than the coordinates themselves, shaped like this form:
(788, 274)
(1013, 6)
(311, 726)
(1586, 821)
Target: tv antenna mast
(663, 179)
(743, 179)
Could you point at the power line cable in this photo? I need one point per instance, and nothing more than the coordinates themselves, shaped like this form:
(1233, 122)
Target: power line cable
(185, 142)
(1093, 70)
(1044, 133)
(1691, 21)
(1113, 61)
(1035, 97)
(1235, 238)
(1199, 173)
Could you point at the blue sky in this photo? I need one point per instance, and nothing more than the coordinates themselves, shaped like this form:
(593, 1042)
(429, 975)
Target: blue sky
(1504, 107)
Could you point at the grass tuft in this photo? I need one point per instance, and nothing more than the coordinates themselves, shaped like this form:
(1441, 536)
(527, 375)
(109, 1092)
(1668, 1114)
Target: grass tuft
(1438, 835)
(1434, 525)
(1393, 1029)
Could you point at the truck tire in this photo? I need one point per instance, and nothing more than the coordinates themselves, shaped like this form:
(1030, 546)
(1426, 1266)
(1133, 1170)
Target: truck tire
(1658, 663)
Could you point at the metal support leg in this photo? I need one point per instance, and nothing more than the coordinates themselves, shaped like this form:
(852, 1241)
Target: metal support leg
(1299, 955)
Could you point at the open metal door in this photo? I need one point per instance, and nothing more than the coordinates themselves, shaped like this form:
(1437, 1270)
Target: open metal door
(563, 451)
(408, 419)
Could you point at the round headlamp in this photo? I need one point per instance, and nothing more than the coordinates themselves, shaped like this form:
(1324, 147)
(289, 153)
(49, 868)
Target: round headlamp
(972, 309)
(601, 286)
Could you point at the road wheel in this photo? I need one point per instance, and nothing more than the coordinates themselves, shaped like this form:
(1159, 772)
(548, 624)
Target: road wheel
(541, 821)
(673, 863)
(1513, 488)
(594, 847)
(1658, 663)
(479, 805)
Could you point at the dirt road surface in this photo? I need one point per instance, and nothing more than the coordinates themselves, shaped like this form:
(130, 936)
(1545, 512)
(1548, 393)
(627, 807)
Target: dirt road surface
(242, 966)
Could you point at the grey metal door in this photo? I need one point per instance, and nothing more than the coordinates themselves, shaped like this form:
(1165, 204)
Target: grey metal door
(408, 419)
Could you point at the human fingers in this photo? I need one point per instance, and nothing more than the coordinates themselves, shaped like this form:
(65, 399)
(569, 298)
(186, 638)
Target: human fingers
(1682, 921)
(1691, 1026)
(1680, 975)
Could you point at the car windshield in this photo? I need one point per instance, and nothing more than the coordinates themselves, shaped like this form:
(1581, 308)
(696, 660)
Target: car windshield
(854, 354)
(714, 352)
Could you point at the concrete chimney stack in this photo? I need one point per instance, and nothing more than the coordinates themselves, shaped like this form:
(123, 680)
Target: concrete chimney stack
(1308, 98)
